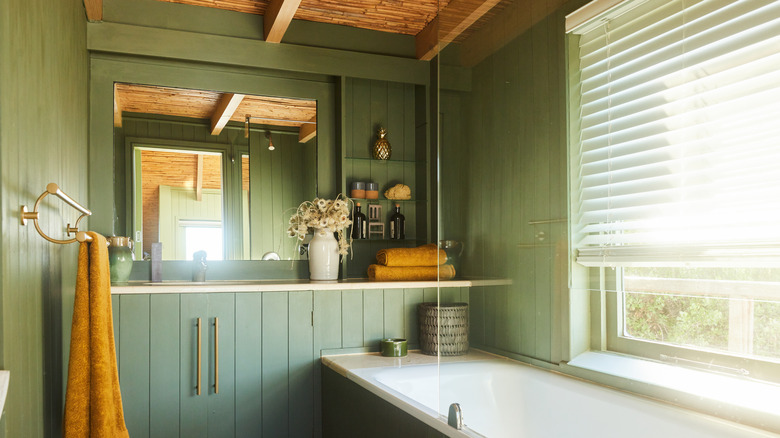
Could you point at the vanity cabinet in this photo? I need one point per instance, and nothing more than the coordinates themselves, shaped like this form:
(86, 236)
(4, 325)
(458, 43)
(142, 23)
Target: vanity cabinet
(256, 365)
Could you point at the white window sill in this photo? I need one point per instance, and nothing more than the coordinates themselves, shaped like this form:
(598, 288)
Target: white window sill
(759, 397)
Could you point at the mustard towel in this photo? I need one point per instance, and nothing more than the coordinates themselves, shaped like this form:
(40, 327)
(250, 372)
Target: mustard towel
(410, 273)
(93, 403)
(425, 255)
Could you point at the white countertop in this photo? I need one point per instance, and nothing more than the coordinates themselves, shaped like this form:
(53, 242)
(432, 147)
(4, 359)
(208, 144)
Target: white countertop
(169, 287)
(344, 363)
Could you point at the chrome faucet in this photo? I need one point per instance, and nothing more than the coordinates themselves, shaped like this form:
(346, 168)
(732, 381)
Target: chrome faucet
(199, 266)
(455, 417)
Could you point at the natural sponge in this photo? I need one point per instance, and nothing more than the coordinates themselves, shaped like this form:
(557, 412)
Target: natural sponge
(400, 192)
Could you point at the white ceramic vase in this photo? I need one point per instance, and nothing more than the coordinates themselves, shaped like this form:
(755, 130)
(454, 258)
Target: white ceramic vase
(323, 256)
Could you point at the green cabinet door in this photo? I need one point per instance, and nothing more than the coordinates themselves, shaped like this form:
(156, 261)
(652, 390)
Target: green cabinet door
(146, 333)
(207, 365)
(275, 364)
(257, 373)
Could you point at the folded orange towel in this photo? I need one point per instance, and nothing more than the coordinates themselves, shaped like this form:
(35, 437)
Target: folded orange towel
(410, 273)
(93, 402)
(425, 255)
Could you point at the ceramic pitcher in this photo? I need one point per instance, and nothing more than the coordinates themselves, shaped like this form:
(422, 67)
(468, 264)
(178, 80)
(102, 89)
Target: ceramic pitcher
(120, 258)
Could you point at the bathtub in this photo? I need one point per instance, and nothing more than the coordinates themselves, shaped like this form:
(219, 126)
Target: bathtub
(503, 398)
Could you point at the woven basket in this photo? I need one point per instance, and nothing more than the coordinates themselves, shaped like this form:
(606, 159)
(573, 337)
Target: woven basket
(451, 321)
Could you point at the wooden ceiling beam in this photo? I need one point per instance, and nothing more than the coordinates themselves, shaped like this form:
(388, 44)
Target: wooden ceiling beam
(277, 18)
(451, 21)
(117, 109)
(308, 131)
(224, 111)
(94, 9)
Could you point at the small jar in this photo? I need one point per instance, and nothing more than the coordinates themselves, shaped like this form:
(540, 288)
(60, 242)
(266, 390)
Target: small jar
(372, 190)
(358, 190)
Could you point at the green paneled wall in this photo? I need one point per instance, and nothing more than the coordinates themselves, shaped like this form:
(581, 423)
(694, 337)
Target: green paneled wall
(279, 181)
(369, 105)
(270, 345)
(503, 165)
(43, 139)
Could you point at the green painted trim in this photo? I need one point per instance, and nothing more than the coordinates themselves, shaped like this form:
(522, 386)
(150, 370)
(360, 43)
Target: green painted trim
(144, 41)
(137, 203)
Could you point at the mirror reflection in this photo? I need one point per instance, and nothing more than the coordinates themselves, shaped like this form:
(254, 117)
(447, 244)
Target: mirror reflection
(212, 171)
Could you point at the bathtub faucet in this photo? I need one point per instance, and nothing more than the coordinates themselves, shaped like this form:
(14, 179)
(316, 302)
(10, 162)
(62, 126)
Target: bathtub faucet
(455, 418)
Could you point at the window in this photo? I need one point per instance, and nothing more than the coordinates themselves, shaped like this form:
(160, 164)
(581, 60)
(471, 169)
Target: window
(202, 236)
(675, 181)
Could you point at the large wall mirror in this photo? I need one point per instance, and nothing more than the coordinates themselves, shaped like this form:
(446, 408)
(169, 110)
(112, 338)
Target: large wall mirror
(214, 171)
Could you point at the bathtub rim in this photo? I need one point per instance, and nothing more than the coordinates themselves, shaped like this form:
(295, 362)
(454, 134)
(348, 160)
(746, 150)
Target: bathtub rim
(608, 381)
(349, 366)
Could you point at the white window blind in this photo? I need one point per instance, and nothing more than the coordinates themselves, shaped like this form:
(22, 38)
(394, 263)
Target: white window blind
(677, 159)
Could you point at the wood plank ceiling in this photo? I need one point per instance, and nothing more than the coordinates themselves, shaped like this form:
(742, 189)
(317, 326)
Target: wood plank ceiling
(217, 107)
(434, 23)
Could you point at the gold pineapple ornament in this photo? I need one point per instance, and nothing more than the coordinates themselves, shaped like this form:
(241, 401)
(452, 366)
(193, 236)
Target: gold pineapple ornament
(382, 146)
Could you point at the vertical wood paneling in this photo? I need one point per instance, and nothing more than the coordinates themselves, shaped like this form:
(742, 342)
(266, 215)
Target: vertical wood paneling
(362, 130)
(393, 313)
(193, 418)
(249, 359)
(276, 396)
(327, 320)
(221, 410)
(300, 410)
(412, 298)
(164, 365)
(275, 175)
(115, 314)
(372, 104)
(269, 355)
(351, 322)
(514, 112)
(373, 317)
(134, 367)
(41, 44)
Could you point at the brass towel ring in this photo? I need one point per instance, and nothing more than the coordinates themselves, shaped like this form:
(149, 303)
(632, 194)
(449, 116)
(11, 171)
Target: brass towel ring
(54, 189)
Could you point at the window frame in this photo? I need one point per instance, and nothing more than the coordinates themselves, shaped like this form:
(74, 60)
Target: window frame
(595, 322)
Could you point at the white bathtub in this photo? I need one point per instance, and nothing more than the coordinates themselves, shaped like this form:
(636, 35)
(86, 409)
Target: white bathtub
(503, 398)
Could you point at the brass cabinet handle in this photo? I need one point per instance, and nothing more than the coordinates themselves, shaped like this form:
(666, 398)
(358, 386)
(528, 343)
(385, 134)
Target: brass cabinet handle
(216, 355)
(197, 384)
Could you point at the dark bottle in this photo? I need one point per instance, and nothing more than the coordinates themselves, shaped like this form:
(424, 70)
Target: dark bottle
(359, 225)
(397, 226)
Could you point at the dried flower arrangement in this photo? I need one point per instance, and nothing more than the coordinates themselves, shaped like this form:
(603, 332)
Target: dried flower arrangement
(320, 214)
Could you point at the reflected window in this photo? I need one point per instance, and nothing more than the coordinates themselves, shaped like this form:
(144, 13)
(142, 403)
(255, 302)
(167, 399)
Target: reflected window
(178, 186)
(202, 236)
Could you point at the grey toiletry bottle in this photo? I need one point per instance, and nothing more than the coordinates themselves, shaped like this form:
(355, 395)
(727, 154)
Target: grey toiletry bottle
(199, 266)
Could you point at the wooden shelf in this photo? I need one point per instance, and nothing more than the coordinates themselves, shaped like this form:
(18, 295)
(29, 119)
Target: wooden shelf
(384, 240)
(378, 201)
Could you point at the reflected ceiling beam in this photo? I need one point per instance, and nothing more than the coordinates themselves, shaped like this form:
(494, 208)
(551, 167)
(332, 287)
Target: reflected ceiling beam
(308, 130)
(117, 109)
(94, 9)
(277, 18)
(455, 18)
(225, 108)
